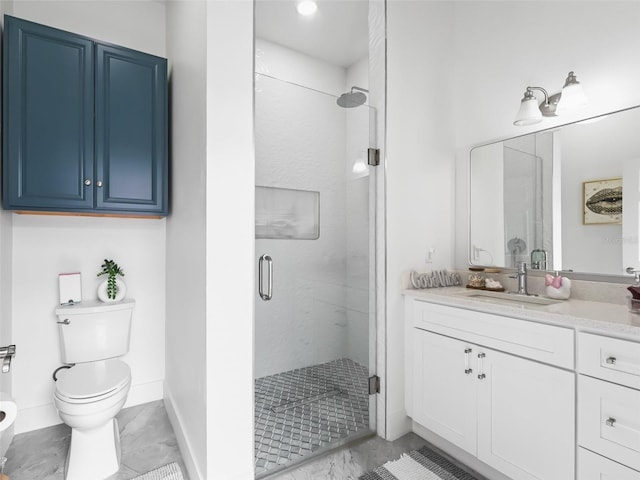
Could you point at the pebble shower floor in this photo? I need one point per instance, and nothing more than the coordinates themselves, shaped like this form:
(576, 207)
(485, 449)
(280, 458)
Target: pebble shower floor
(300, 411)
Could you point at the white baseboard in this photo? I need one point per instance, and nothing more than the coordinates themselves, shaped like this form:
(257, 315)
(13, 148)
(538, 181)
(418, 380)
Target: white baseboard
(398, 425)
(145, 393)
(42, 416)
(183, 441)
(33, 418)
(460, 455)
(5, 440)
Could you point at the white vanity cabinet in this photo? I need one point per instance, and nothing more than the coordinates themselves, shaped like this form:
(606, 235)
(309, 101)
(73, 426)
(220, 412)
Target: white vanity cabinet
(596, 467)
(478, 380)
(608, 407)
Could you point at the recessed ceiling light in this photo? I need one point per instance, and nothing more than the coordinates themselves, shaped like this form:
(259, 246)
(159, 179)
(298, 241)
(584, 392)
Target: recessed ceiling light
(307, 7)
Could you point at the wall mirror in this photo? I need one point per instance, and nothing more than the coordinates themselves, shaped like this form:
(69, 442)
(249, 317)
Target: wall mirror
(565, 198)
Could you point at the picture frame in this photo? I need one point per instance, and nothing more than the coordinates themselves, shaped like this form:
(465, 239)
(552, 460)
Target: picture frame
(602, 201)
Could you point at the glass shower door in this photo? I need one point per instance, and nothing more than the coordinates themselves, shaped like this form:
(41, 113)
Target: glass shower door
(315, 295)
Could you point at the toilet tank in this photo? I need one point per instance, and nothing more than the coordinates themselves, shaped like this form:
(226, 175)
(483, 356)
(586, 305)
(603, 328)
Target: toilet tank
(92, 330)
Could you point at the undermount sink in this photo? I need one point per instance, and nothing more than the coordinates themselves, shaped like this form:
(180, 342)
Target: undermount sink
(508, 298)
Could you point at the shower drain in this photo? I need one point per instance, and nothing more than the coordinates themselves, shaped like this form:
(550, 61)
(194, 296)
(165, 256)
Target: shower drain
(306, 400)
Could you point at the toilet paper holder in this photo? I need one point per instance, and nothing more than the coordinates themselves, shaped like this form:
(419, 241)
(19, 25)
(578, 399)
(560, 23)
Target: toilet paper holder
(6, 354)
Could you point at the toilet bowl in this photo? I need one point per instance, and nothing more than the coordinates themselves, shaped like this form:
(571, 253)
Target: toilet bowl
(90, 393)
(88, 396)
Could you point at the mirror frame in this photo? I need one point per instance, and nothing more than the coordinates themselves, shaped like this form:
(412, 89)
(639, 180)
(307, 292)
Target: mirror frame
(584, 276)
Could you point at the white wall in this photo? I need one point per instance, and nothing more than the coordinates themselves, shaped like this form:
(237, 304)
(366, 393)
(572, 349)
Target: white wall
(138, 25)
(295, 67)
(209, 383)
(498, 54)
(456, 72)
(230, 239)
(6, 250)
(186, 326)
(419, 165)
(44, 246)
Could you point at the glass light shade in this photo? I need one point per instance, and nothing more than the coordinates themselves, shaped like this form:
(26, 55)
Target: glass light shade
(529, 113)
(572, 98)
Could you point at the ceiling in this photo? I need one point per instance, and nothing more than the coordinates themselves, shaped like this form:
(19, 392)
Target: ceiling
(337, 33)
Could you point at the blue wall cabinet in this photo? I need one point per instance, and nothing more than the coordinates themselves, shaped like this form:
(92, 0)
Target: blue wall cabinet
(85, 124)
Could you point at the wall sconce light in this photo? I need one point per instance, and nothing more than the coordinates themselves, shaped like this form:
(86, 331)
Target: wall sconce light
(571, 97)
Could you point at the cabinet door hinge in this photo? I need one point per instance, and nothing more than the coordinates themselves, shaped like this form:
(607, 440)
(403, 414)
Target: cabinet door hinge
(374, 385)
(373, 155)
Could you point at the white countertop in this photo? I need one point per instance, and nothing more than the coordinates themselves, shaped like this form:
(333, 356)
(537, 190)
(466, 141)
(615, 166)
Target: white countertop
(597, 317)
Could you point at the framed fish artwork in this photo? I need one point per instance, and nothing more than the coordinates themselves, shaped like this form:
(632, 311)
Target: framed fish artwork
(602, 201)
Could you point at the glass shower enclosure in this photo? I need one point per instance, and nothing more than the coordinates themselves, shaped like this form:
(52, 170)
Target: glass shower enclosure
(315, 292)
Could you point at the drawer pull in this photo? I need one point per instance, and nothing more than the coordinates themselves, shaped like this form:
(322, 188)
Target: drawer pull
(614, 423)
(622, 365)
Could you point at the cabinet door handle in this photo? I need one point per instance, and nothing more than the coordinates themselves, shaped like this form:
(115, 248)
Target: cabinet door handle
(467, 361)
(99, 183)
(266, 296)
(481, 375)
(87, 182)
(611, 422)
(611, 360)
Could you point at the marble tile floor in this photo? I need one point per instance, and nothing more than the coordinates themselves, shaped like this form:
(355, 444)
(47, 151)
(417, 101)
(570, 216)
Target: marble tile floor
(147, 442)
(357, 458)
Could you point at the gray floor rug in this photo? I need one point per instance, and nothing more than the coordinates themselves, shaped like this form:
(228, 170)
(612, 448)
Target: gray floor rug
(170, 471)
(421, 464)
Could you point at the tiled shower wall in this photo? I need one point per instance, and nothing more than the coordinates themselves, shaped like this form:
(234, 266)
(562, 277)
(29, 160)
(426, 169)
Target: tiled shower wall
(319, 310)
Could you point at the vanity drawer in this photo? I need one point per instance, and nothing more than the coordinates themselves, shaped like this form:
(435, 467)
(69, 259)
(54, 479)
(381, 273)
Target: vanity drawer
(537, 341)
(596, 467)
(609, 358)
(609, 420)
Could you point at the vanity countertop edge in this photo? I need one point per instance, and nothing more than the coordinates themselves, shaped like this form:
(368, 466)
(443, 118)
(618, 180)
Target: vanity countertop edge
(595, 317)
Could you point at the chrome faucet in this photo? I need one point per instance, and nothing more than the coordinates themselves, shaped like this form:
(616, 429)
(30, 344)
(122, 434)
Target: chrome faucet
(521, 275)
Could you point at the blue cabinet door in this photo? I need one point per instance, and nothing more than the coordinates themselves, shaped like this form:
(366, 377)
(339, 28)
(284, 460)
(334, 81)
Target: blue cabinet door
(131, 131)
(48, 93)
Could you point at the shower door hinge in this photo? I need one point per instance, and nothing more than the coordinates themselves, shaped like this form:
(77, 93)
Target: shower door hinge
(373, 157)
(374, 385)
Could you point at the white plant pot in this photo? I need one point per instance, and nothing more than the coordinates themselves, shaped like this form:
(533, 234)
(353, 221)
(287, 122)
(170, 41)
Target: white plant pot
(121, 290)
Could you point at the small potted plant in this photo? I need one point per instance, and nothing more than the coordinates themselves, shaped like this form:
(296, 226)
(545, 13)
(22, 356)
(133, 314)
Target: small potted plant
(112, 289)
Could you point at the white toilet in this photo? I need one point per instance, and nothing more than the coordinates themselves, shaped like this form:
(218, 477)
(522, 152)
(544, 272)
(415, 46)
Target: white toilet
(93, 335)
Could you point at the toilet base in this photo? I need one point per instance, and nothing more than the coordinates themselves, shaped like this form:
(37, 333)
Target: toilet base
(93, 454)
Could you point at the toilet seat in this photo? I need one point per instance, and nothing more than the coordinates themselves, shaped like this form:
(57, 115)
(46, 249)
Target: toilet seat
(93, 381)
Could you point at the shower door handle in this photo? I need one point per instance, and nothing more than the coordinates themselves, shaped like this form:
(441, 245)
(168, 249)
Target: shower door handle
(265, 296)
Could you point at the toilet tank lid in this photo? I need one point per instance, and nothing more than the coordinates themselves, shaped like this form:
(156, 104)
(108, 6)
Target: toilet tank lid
(94, 306)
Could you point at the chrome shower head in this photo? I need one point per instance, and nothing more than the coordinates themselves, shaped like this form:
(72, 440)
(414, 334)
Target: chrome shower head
(352, 99)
